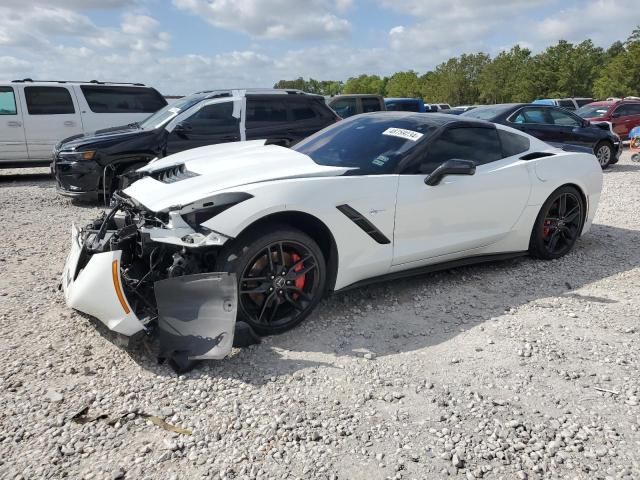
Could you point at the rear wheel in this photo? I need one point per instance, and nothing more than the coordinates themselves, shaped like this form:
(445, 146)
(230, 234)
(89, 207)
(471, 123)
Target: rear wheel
(604, 154)
(281, 277)
(558, 225)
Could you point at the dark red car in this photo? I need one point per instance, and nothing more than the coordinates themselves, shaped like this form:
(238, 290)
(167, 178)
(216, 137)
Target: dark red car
(622, 114)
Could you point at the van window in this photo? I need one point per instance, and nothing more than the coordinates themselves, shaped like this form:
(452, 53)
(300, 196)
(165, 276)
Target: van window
(105, 99)
(48, 101)
(7, 101)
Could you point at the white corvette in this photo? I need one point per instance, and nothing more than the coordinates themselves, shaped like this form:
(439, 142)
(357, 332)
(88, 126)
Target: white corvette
(261, 232)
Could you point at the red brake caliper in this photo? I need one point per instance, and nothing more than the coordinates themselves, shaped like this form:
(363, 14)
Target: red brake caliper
(546, 229)
(295, 258)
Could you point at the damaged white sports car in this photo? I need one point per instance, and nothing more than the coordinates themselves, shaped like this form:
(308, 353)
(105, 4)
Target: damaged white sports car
(262, 233)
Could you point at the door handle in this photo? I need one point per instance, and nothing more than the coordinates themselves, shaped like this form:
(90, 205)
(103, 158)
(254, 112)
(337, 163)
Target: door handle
(69, 123)
(14, 123)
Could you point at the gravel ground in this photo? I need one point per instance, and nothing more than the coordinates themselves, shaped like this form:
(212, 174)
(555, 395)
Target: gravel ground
(522, 369)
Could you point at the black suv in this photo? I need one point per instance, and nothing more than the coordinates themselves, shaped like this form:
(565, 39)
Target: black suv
(92, 166)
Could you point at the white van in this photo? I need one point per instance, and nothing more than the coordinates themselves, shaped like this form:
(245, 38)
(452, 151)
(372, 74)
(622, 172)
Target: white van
(35, 115)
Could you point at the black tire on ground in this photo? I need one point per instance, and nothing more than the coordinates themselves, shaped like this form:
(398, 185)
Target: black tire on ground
(272, 305)
(558, 224)
(604, 153)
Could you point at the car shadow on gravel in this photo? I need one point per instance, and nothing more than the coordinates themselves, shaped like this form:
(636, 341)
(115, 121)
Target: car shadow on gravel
(417, 313)
(627, 167)
(30, 179)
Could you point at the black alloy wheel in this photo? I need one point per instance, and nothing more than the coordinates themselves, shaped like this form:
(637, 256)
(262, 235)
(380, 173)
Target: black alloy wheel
(281, 278)
(558, 225)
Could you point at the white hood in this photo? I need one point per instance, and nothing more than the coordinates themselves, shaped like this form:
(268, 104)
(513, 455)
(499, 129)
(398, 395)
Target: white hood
(222, 167)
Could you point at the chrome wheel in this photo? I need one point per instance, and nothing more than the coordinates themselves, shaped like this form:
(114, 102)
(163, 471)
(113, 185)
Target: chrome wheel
(604, 155)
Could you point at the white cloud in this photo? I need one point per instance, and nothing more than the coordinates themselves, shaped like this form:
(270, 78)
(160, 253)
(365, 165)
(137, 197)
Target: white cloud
(57, 39)
(274, 19)
(603, 21)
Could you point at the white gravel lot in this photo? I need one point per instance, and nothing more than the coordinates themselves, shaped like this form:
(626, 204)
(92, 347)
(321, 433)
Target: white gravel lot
(522, 369)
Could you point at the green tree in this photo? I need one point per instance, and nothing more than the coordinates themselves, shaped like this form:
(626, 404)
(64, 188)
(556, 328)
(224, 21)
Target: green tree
(621, 76)
(403, 84)
(365, 84)
(505, 79)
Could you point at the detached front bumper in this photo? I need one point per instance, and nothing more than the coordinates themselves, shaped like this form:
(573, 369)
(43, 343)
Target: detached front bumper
(196, 314)
(96, 289)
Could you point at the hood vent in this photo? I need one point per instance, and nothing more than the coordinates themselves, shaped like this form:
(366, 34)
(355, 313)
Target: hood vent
(173, 174)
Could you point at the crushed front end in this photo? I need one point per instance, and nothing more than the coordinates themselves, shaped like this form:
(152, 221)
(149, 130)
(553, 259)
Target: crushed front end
(136, 270)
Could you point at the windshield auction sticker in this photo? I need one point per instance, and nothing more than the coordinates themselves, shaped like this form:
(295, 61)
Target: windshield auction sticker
(402, 133)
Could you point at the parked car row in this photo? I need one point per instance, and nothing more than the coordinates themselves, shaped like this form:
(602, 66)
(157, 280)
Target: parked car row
(35, 115)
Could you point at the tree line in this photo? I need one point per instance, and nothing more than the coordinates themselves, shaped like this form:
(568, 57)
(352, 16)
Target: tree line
(562, 70)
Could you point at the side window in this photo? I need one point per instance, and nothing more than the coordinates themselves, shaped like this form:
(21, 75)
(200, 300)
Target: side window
(7, 101)
(512, 143)
(345, 107)
(122, 99)
(48, 101)
(563, 119)
(622, 111)
(467, 143)
(530, 115)
(567, 104)
(264, 112)
(370, 105)
(583, 101)
(214, 119)
(302, 111)
(627, 109)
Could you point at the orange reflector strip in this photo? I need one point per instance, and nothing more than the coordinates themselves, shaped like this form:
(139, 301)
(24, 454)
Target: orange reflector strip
(116, 285)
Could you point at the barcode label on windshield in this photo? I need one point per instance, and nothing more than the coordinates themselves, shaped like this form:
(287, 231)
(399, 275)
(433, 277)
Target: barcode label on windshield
(402, 133)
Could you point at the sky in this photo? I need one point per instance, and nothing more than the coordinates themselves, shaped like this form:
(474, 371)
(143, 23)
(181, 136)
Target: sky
(182, 46)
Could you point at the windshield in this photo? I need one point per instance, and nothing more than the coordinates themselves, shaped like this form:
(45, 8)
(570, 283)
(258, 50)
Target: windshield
(487, 113)
(162, 116)
(592, 111)
(370, 144)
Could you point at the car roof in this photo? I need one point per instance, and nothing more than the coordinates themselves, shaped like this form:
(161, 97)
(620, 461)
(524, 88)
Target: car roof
(256, 91)
(356, 95)
(30, 81)
(435, 119)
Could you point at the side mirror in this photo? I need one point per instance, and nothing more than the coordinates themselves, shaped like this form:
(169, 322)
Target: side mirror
(182, 129)
(454, 166)
(586, 123)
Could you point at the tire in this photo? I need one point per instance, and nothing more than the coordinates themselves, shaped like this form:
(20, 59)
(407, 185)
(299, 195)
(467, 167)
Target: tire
(635, 157)
(554, 232)
(604, 153)
(276, 301)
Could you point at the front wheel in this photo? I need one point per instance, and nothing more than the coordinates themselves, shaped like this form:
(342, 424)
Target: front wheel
(604, 154)
(281, 277)
(558, 225)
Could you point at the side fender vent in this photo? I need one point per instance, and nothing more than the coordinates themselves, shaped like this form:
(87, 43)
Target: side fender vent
(173, 174)
(364, 224)
(534, 155)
